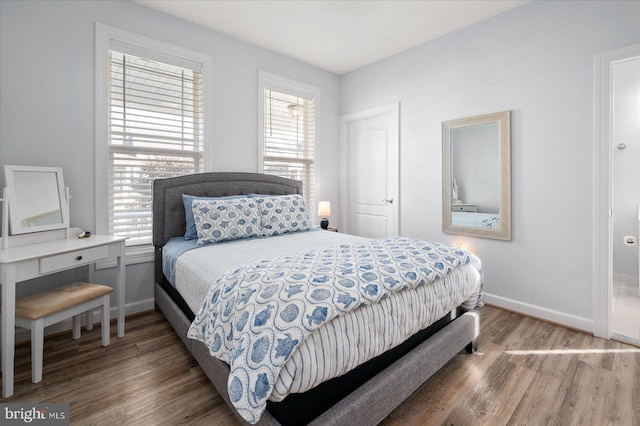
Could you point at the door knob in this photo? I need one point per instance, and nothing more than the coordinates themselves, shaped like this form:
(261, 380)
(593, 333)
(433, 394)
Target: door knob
(388, 201)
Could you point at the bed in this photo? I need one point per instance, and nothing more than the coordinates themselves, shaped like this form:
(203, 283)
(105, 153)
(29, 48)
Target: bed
(476, 220)
(365, 394)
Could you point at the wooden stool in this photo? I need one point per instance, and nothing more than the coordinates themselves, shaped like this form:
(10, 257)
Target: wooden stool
(40, 310)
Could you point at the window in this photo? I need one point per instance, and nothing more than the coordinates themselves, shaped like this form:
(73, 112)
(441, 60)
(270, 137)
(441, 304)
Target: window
(155, 131)
(289, 132)
(151, 112)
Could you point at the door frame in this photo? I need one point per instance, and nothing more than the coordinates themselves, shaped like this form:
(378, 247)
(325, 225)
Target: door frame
(394, 111)
(602, 250)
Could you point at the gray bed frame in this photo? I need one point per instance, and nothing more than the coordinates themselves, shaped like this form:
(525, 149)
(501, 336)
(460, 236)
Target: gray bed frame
(371, 402)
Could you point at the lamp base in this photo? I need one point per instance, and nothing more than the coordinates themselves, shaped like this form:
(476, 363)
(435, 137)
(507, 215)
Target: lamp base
(324, 223)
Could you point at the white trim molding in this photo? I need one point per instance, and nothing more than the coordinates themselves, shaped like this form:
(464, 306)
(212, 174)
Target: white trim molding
(107, 37)
(551, 315)
(291, 87)
(602, 252)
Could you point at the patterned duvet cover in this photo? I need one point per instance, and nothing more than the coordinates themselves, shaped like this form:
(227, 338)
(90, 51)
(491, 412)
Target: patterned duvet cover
(288, 323)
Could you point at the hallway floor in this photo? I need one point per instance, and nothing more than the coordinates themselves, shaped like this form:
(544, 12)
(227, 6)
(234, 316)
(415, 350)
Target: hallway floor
(626, 313)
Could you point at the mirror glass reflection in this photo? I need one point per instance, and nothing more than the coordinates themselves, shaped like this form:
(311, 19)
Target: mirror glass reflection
(37, 201)
(476, 169)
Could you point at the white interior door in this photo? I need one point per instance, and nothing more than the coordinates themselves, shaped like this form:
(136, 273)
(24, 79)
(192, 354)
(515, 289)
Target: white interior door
(370, 172)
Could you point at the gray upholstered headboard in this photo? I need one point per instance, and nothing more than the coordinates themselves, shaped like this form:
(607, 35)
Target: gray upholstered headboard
(168, 209)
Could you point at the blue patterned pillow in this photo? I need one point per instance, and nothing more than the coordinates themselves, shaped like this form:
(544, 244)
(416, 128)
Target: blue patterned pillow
(281, 214)
(190, 225)
(225, 220)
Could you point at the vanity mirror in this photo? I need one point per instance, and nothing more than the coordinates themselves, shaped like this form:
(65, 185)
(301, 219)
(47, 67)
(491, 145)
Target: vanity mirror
(37, 199)
(476, 176)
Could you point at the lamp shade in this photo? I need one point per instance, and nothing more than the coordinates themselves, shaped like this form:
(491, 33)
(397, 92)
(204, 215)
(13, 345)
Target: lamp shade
(324, 209)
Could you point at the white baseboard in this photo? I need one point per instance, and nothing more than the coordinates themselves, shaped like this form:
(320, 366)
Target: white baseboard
(557, 317)
(23, 334)
(626, 280)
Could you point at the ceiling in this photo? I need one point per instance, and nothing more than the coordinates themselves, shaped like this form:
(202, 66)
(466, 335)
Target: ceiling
(338, 36)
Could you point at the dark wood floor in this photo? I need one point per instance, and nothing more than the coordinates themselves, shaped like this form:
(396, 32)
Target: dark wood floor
(526, 372)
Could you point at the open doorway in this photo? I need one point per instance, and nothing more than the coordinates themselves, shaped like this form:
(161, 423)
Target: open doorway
(626, 200)
(605, 145)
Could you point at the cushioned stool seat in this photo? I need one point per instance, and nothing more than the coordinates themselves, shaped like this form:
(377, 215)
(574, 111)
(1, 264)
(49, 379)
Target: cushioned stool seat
(49, 307)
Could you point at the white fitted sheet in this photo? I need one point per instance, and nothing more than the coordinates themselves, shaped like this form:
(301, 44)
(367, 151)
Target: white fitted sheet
(197, 269)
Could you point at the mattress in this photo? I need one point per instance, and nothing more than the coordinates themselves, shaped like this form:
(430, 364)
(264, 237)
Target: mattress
(377, 327)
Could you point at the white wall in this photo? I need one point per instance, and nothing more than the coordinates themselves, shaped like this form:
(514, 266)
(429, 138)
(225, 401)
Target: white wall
(47, 102)
(538, 61)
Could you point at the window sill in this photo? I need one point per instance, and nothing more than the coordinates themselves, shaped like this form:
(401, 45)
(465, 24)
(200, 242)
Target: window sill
(135, 254)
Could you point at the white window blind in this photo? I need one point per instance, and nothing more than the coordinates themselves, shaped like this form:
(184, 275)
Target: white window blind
(289, 139)
(155, 130)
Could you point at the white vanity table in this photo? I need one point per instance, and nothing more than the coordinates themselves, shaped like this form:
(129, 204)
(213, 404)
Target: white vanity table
(40, 243)
(21, 263)
(464, 208)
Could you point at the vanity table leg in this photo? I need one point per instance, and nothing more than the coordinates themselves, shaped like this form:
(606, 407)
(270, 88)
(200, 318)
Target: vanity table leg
(8, 280)
(121, 289)
(89, 315)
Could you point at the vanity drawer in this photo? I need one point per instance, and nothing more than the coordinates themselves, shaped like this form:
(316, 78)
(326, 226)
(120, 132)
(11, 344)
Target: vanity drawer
(71, 259)
(464, 208)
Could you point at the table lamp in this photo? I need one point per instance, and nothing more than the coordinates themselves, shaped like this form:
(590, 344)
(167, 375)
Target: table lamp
(324, 211)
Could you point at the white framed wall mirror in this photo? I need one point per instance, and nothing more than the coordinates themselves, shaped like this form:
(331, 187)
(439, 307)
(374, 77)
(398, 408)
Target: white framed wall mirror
(476, 155)
(37, 200)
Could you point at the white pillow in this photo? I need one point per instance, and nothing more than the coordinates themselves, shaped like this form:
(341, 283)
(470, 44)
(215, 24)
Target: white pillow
(225, 220)
(284, 213)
